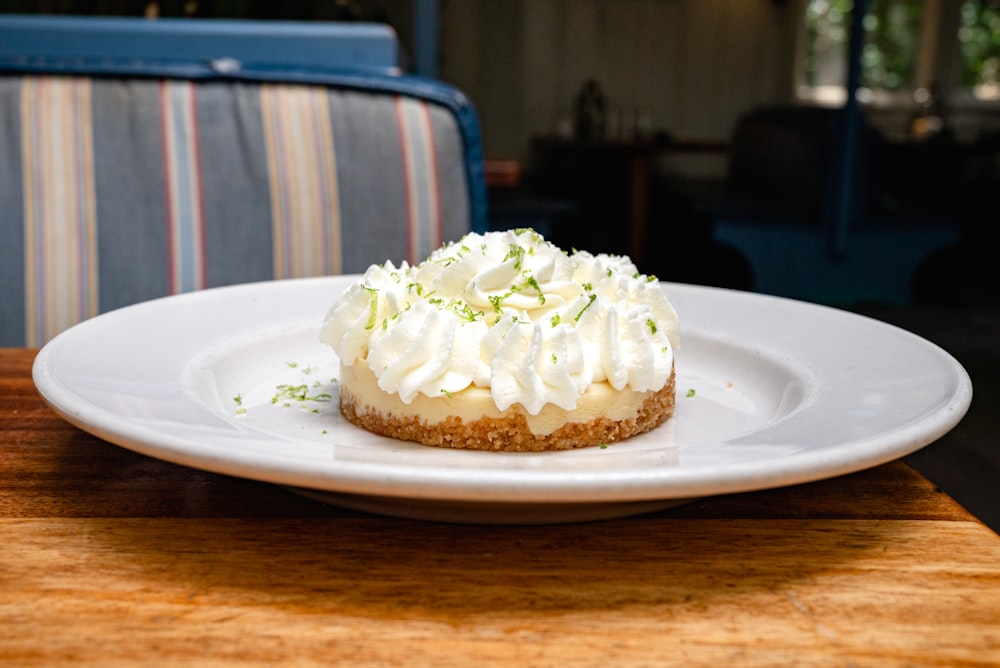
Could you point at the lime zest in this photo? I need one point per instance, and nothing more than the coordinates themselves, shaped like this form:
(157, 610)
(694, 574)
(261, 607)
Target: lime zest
(515, 253)
(372, 306)
(589, 302)
(299, 393)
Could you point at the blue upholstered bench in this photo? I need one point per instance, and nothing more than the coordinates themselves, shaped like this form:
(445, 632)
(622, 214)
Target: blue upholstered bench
(146, 158)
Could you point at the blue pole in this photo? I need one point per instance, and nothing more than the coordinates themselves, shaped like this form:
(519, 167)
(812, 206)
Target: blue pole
(425, 37)
(847, 169)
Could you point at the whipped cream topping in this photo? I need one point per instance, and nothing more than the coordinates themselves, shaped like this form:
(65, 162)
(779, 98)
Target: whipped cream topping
(511, 312)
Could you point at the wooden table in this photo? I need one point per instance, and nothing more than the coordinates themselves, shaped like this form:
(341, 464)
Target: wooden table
(109, 558)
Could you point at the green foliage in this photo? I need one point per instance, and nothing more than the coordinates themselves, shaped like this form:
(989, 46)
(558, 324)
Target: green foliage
(979, 42)
(892, 35)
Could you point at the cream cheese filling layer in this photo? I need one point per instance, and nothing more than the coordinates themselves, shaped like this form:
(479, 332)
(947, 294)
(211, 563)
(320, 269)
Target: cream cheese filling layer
(599, 400)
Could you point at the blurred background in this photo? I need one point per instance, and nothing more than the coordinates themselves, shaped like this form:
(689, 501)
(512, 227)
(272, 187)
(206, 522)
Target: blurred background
(845, 153)
(852, 145)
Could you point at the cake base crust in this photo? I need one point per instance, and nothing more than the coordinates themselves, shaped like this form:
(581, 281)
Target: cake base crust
(510, 432)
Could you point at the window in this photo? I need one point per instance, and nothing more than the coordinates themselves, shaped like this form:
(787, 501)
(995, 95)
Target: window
(979, 43)
(908, 46)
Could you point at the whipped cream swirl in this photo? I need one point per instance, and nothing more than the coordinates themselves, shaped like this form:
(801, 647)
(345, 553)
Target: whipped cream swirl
(509, 311)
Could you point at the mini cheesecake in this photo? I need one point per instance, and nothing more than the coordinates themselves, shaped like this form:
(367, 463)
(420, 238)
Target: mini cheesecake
(502, 341)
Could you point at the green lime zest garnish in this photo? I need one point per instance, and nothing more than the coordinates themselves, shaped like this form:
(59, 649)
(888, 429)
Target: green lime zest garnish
(515, 253)
(372, 306)
(299, 393)
(463, 310)
(533, 282)
(589, 302)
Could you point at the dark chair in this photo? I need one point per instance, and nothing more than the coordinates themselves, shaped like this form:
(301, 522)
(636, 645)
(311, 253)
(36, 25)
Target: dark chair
(781, 167)
(802, 220)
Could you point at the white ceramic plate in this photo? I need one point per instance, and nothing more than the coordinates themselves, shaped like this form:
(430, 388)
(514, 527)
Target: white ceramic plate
(781, 392)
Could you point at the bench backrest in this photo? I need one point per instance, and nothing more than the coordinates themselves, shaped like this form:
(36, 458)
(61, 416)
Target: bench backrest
(207, 163)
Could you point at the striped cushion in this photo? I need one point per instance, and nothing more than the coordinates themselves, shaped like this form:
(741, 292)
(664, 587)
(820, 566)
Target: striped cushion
(117, 191)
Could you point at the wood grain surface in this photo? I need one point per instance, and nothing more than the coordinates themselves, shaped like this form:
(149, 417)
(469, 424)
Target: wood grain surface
(110, 558)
